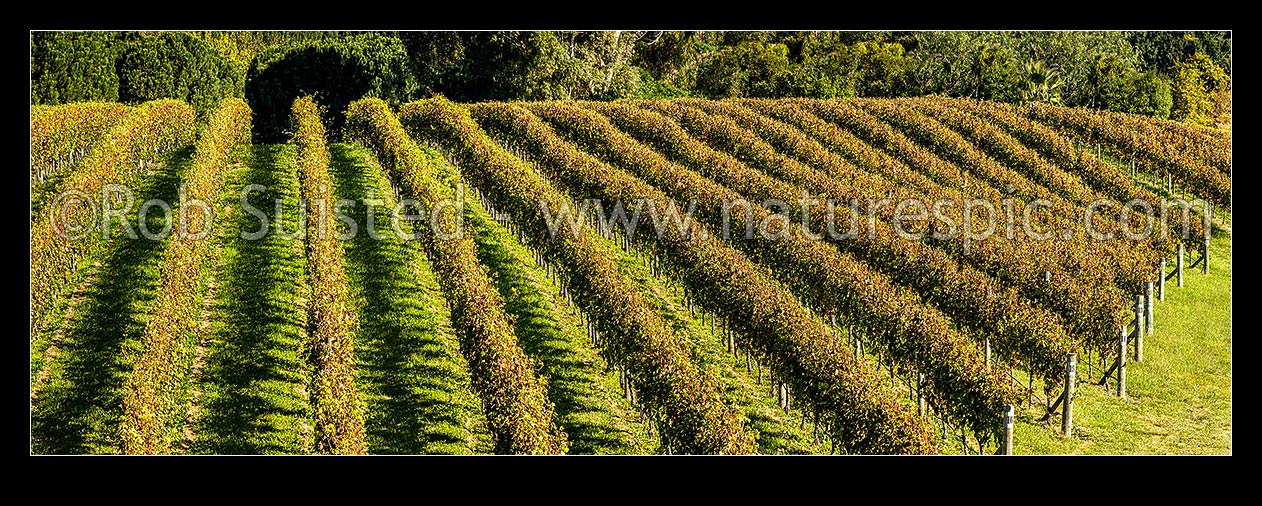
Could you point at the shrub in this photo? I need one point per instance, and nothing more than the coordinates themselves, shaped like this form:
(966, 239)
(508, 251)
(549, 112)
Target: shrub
(334, 71)
(73, 67)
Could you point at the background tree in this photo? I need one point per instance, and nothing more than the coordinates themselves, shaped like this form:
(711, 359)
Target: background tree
(752, 69)
(336, 71)
(1200, 91)
(176, 65)
(1162, 52)
(996, 74)
(73, 67)
(1140, 72)
(130, 67)
(1073, 56)
(1042, 84)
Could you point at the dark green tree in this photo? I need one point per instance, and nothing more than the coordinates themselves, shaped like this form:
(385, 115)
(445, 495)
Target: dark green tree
(73, 67)
(1164, 51)
(751, 69)
(336, 71)
(176, 65)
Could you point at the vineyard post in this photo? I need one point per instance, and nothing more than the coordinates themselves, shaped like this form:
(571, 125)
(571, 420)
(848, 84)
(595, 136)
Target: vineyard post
(1148, 316)
(1071, 375)
(1161, 281)
(779, 392)
(1139, 328)
(987, 354)
(1209, 232)
(920, 394)
(1009, 413)
(1090, 364)
(1047, 278)
(1121, 363)
(857, 335)
(1178, 267)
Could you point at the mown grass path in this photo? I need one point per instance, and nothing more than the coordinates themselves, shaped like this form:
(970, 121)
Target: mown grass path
(586, 392)
(409, 366)
(778, 432)
(253, 386)
(78, 407)
(1178, 399)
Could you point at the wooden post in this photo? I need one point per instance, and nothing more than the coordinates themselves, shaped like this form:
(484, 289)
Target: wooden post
(1047, 278)
(1209, 232)
(987, 354)
(1009, 414)
(1148, 316)
(1161, 281)
(920, 394)
(1121, 364)
(1139, 328)
(911, 388)
(1178, 266)
(1067, 414)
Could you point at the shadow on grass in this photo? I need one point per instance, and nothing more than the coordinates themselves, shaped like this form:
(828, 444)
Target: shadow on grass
(577, 385)
(778, 432)
(45, 191)
(410, 370)
(81, 407)
(254, 382)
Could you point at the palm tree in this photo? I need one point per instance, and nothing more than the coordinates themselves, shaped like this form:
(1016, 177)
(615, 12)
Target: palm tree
(1042, 84)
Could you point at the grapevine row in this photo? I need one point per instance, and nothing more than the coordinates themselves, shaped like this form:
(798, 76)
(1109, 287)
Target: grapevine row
(519, 414)
(151, 403)
(339, 411)
(1090, 126)
(61, 135)
(1135, 259)
(1018, 261)
(798, 347)
(973, 299)
(1098, 262)
(1103, 177)
(1195, 141)
(1044, 180)
(693, 418)
(63, 238)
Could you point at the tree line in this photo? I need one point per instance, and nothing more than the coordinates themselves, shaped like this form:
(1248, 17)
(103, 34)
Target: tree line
(1178, 75)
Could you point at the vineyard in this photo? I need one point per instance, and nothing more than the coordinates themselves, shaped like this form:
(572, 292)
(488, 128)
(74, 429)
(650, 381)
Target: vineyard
(623, 277)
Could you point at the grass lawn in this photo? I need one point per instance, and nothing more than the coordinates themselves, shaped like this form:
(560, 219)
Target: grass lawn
(78, 406)
(585, 391)
(409, 368)
(252, 390)
(1178, 399)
